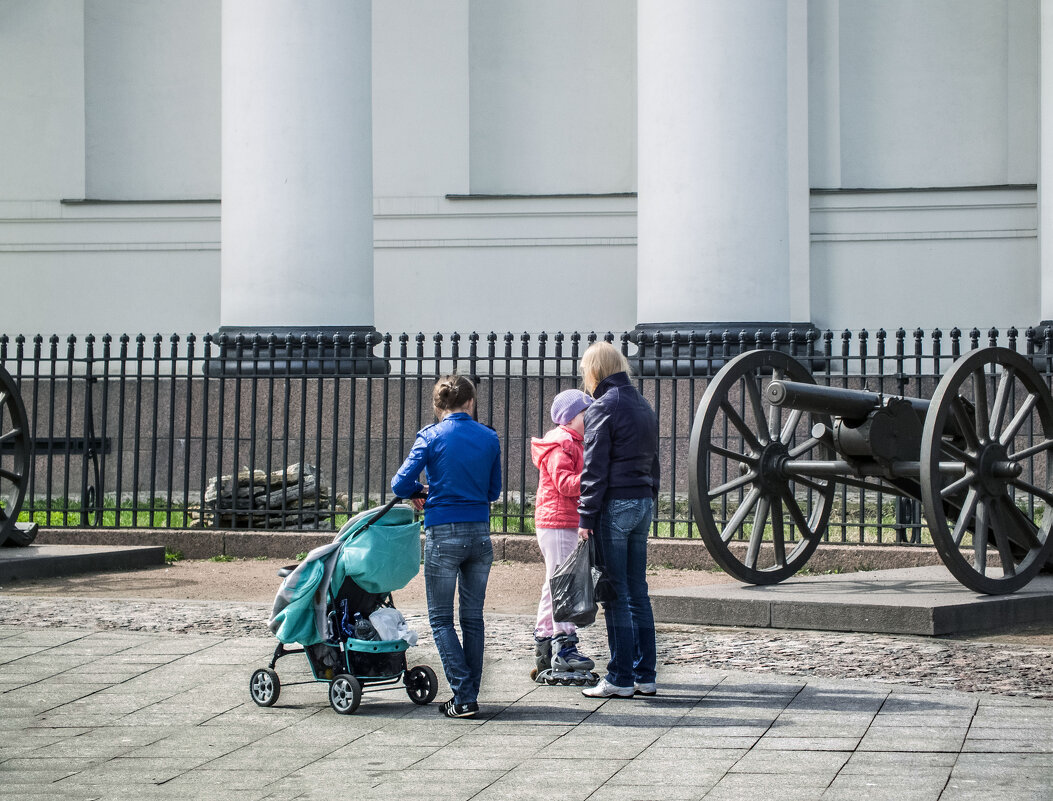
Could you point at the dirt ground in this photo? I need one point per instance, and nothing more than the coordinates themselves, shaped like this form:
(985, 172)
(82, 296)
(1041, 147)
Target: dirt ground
(513, 588)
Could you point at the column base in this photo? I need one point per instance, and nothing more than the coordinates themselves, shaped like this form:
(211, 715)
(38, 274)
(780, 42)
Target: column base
(702, 348)
(283, 349)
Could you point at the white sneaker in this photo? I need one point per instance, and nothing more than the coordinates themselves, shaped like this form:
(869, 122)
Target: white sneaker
(645, 688)
(607, 690)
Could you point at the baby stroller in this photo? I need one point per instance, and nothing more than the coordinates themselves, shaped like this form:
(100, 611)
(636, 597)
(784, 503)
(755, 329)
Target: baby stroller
(341, 584)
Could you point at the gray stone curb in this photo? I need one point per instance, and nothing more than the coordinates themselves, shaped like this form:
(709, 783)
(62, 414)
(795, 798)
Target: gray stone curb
(681, 554)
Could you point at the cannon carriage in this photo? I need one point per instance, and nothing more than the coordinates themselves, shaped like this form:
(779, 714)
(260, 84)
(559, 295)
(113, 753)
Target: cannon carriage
(769, 446)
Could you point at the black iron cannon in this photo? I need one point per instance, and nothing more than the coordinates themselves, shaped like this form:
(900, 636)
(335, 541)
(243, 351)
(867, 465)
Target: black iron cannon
(769, 445)
(16, 453)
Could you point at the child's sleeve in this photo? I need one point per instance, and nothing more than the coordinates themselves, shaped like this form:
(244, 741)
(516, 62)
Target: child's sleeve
(565, 476)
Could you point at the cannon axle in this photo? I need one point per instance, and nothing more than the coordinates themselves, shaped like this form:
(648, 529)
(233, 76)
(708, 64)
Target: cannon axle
(840, 467)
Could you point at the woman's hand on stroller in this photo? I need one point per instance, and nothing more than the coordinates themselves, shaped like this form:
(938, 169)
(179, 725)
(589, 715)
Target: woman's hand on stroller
(418, 498)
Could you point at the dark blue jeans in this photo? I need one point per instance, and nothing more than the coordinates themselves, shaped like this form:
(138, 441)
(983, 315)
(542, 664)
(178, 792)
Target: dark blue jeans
(622, 536)
(458, 555)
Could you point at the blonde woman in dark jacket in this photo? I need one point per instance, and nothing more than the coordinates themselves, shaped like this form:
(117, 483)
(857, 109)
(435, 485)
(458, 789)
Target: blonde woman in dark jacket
(619, 489)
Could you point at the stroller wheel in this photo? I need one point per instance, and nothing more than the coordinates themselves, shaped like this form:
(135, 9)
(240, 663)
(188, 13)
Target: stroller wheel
(264, 687)
(421, 684)
(345, 693)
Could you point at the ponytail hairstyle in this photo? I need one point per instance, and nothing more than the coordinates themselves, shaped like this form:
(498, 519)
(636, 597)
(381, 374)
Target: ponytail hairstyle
(601, 360)
(452, 393)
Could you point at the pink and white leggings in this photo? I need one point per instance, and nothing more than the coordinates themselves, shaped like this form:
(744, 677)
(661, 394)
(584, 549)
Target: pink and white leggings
(556, 545)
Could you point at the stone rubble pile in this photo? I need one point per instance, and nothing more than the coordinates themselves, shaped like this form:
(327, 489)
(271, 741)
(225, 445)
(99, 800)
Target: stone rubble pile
(290, 498)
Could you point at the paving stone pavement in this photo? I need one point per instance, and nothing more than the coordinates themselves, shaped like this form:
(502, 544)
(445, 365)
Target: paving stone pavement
(971, 666)
(149, 700)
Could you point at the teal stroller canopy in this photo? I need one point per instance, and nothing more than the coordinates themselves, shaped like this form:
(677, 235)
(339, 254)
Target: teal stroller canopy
(377, 549)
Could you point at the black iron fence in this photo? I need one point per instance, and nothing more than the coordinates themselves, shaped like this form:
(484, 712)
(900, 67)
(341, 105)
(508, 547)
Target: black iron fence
(261, 432)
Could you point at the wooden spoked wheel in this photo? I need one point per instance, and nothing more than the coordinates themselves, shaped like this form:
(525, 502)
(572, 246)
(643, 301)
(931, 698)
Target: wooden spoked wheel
(753, 516)
(986, 453)
(15, 457)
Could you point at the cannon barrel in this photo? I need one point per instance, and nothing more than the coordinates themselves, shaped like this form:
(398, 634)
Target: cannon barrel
(850, 404)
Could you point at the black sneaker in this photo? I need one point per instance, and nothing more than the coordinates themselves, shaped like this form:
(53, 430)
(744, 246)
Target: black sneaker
(455, 710)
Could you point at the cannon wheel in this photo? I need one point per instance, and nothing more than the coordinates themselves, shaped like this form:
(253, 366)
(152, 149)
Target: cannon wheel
(15, 456)
(985, 407)
(738, 444)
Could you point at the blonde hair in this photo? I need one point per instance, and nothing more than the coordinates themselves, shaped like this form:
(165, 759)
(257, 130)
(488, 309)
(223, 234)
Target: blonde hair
(451, 392)
(601, 360)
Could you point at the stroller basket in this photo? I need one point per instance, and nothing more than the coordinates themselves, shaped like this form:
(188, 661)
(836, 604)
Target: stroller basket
(368, 661)
(371, 660)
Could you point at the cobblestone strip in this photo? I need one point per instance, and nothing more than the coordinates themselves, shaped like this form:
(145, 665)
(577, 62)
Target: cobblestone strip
(999, 668)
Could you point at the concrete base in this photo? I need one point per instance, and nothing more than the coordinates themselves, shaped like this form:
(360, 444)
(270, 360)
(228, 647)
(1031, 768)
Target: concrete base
(45, 561)
(921, 600)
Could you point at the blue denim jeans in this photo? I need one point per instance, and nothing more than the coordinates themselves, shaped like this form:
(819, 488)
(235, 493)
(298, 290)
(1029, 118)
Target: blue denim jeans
(622, 537)
(458, 555)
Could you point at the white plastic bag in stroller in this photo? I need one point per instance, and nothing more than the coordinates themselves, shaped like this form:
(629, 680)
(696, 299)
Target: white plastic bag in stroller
(391, 625)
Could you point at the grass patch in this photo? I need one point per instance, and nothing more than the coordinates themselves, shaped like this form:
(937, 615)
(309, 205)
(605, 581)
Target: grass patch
(853, 520)
(62, 512)
(143, 513)
(512, 518)
(222, 557)
(172, 556)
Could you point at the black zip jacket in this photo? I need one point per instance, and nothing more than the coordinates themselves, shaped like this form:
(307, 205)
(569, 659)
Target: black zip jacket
(621, 448)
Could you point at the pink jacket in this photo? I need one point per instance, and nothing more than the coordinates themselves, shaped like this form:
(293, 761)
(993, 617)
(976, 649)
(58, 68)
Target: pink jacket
(559, 457)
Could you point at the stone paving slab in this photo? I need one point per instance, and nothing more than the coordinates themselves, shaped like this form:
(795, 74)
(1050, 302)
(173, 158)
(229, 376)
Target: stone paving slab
(908, 660)
(925, 601)
(158, 715)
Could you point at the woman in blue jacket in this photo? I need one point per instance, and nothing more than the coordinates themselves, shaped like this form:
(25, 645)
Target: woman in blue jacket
(619, 489)
(461, 459)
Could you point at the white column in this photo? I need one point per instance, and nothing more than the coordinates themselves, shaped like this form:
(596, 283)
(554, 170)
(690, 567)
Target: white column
(723, 161)
(297, 219)
(1045, 178)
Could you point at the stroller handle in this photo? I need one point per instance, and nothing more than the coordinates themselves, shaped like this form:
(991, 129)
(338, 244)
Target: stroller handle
(383, 511)
(287, 569)
(388, 507)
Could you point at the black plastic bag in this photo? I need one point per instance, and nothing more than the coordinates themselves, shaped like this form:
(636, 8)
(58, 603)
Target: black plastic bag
(573, 588)
(602, 589)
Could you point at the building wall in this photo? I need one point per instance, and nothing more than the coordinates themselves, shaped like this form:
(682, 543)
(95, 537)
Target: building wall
(918, 102)
(509, 264)
(42, 97)
(420, 98)
(552, 100)
(146, 65)
(119, 101)
(927, 106)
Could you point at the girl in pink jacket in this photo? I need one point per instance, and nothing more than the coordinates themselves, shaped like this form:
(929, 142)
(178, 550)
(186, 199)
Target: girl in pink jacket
(559, 457)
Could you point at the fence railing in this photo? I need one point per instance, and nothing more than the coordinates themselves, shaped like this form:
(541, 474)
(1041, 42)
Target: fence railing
(272, 433)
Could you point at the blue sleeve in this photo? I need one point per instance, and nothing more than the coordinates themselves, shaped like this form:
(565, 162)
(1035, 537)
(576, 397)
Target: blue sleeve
(405, 483)
(495, 476)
